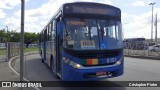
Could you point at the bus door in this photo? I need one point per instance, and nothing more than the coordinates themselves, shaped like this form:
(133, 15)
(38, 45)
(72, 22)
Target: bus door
(47, 47)
(41, 45)
(44, 45)
(59, 46)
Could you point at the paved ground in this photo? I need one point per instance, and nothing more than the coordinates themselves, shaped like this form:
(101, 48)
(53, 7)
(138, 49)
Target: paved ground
(2, 58)
(140, 70)
(135, 70)
(6, 74)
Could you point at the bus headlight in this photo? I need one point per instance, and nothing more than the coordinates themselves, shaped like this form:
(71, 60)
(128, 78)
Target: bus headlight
(120, 61)
(71, 63)
(78, 66)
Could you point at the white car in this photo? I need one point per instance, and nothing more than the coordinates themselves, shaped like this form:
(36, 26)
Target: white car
(155, 48)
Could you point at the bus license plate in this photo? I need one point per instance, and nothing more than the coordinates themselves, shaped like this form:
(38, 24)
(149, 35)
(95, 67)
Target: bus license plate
(101, 73)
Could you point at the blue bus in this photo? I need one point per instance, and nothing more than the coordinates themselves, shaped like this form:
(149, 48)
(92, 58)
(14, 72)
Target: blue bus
(83, 41)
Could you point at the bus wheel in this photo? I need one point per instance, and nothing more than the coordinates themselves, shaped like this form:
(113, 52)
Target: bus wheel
(42, 60)
(41, 57)
(41, 53)
(52, 67)
(56, 76)
(51, 62)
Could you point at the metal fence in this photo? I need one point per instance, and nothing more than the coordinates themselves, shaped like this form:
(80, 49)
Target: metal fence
(13, 49)
(9, 50)
(3, 52)
(141, 50)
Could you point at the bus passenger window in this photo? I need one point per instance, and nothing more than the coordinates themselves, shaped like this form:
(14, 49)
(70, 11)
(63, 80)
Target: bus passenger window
(53, 35)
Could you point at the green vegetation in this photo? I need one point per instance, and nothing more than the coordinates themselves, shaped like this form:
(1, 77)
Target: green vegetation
(2, 51)
(12, 36)
(31, 49)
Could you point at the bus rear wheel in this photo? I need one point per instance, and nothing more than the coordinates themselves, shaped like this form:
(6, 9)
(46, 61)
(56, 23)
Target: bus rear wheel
(42, 60)
(41, 57)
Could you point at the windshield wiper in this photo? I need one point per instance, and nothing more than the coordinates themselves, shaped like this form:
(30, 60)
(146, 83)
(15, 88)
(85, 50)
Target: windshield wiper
(89, 29)
(101, 30)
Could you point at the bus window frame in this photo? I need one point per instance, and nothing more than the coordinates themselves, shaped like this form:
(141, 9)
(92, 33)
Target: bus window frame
(49, 34)
(53, 30)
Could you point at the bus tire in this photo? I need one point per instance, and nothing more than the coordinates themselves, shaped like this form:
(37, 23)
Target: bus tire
(57, 77)
(41, 53)
(42, 60)
(41, 56)
(51, 62)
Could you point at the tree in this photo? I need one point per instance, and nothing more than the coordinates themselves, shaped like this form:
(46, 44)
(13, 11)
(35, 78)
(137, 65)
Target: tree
(2, 35)
(30, 38)
(15, 37)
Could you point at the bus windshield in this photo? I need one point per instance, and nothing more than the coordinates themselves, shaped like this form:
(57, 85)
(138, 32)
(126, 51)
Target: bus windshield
(91, 34)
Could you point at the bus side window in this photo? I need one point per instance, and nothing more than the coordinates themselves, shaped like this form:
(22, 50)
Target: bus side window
(53, 30)
(53, 35)
(50, 34)
(46, 34)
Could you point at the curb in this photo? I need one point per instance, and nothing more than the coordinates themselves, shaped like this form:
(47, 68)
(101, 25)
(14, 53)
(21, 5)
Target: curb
(13, 58)
(143, 57)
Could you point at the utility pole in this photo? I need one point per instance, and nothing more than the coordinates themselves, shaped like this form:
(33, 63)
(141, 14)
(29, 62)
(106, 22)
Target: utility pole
(152, 22)
(7, 29)
(22, 41)
(155, 28)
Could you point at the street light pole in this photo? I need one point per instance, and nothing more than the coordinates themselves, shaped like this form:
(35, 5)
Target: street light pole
(7, 29)
(22, 40)
(152, 22)
(155, 28)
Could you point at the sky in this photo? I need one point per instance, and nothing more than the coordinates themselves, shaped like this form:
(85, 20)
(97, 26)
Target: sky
(136, 15)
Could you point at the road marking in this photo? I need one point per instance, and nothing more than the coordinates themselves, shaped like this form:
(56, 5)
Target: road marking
(9, 64)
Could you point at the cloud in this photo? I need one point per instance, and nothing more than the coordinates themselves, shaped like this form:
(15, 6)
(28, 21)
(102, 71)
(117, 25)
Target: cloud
(37, 18)
(104, 2)
(2, 14)
(125, 15)
(138, 3)
(9, 4)
(12, 23)
(140, 26)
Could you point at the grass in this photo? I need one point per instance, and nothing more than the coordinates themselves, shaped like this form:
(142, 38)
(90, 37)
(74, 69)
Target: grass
(2, 51)
(31, 49)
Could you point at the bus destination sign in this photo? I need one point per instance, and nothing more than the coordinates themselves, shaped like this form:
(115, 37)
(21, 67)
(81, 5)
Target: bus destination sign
(95, 10)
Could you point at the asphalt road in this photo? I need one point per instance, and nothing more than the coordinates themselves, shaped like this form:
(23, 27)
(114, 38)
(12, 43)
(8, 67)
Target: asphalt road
(135, 69)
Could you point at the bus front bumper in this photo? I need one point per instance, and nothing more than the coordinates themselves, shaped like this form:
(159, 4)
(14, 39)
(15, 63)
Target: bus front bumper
(72, 74)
